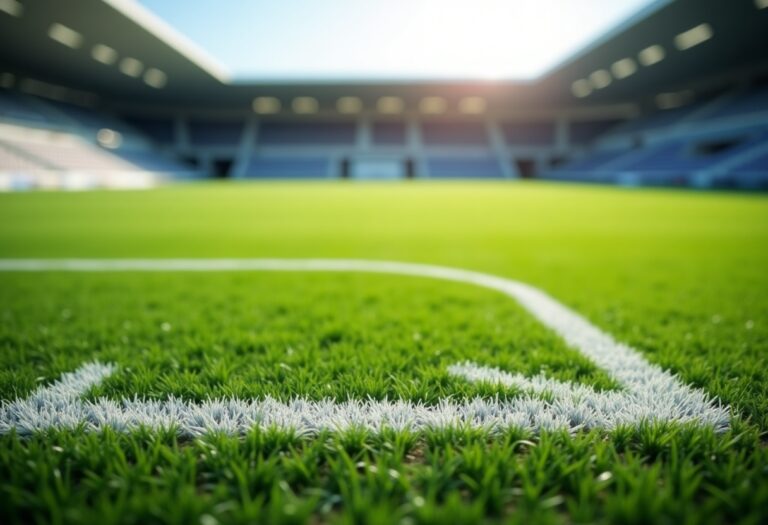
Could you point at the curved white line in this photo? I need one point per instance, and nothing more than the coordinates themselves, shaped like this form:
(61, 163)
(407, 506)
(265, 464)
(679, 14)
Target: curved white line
(649, 393)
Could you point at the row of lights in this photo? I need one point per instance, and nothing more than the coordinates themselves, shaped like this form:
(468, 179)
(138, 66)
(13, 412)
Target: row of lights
(12, 7)
(104, 54)
(647, 57)
(388, 105)
(108, 56)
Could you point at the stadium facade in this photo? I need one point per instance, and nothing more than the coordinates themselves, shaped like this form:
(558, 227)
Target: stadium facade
(101, 93)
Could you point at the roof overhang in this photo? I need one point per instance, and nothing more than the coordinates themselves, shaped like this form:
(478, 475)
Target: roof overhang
(195, 80)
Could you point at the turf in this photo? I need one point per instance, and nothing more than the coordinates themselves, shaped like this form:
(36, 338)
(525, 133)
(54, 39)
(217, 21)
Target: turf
(680, 276)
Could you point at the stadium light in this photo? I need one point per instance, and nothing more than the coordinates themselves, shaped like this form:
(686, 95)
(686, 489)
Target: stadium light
(266, 105)
(624, 68)
(109, 138)
(104, 54)
(304, 105)
(349, 105)
(600, 79)
(433, 105)
(12, 7)
(155, 78)
(472, 105)
(651, 55)
(131, 67)
(390, 105)
(761, 4)
(693, 37)
(65, 35)
(581, 88)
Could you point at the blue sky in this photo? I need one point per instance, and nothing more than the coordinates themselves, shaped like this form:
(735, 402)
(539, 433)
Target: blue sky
(392, 39)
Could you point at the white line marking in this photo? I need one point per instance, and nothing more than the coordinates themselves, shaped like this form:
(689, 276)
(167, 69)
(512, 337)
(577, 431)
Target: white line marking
(649, 393)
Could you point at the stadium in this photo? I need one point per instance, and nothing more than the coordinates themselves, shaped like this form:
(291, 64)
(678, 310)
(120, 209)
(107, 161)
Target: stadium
(304, 262)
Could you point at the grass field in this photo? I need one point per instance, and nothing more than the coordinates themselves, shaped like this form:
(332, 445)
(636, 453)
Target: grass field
(681, 277)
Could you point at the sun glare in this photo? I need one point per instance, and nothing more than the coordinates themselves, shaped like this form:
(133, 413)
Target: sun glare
(399, 39)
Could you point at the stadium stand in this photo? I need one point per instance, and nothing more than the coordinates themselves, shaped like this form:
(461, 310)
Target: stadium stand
(388, 133)
(585, 132)
(612, 113)
(159, 130)
(454, 133)
(717, 142)
(453, 167)
(752, 103)
(51, 144)
(749, 174)
(279, 133)
(215, 133)
(15, 107)
(529, 133)
(15, 161)
(288, 168)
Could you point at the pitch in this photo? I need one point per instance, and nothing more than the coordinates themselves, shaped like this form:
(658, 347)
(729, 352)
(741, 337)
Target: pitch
(678, 277)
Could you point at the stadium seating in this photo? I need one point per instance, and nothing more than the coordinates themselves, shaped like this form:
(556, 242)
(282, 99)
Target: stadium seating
(50, 144)
(287, 168)
(688, 156)
(454, 133)
(454, 167)
(64, 152)
(15, 107)
(585, 132)
(714, 142)
(588, 165)
(752, 173)
(160, 130)
(655, 121)
(388, 133)
(751, 102)
(529, 133)
(14, 161)
(215, 133)
(279, 133)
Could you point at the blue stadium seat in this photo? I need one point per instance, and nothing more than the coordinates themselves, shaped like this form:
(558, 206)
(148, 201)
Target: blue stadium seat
(151, 161)
(683, 156)
(657, 120)
(529, 133)
(388, 133)
(91, 119)
(158, 129)
(753, 101)
(586, 132)
(464, 168)
(591, 162)
(751, 174)
(14, 106)
(306, 133)
(215, 133)
(454, 133)
(287, 168)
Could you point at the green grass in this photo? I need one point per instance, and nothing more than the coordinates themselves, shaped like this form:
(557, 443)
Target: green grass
(680, 276)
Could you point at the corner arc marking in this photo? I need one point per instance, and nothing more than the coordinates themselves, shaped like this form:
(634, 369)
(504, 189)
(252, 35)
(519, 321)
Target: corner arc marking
(649, 393)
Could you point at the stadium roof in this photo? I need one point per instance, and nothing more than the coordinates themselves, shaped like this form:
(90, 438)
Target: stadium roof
(117, 50)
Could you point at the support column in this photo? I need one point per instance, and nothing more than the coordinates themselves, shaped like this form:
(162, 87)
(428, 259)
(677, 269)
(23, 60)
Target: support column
(363, 135)
(246, 148)
(499, 148)
(562, 135)
(181, 140)
(414, 145)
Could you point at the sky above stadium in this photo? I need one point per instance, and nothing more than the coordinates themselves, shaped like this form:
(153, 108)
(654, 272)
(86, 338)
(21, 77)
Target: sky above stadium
(392, 39)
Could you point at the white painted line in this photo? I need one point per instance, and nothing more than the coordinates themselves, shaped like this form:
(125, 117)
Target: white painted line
(648, 393)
